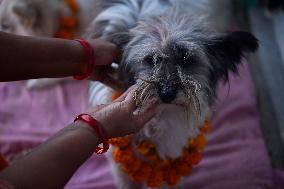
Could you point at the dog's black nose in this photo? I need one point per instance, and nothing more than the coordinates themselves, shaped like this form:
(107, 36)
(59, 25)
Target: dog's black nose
(167, 95)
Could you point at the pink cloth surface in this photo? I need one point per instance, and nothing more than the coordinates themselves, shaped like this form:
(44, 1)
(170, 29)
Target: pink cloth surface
(27, 118)
(234, 158)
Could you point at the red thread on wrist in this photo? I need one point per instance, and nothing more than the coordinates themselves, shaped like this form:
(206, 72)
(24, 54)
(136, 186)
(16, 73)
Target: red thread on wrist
(101, 133)
(89, 59)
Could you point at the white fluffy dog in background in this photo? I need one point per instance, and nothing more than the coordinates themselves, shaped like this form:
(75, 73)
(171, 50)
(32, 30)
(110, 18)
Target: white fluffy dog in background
(42, 18)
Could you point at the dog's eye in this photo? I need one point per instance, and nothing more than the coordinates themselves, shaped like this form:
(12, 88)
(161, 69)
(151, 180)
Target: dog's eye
(153, 59)
(149, 60)
(186, 59)
(158, 59)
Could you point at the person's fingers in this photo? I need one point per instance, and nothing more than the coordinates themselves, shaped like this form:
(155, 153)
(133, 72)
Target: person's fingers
(95, 108)
(105, 52)
(125, 94)
(131, 92)
(116, 54)
(129, 100)
(113, 70)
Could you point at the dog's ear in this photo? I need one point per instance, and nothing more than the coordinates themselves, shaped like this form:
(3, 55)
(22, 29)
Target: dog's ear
(28, 12)
(226, 50)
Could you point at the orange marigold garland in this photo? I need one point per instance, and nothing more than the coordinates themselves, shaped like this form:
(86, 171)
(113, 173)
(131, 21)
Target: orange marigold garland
(68, 24)
(153, 170)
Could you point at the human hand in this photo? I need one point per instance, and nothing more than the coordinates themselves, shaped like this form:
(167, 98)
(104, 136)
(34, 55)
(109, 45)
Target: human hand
(105, 53)
(118, 119)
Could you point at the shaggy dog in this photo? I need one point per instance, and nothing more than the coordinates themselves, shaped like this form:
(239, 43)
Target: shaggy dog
(176, 56)
(42, 18)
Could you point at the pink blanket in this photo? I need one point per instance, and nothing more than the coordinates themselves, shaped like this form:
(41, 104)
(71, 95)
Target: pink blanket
(235, 157)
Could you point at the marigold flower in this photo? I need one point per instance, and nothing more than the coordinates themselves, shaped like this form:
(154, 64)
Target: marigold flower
(199, 142)
(64, 34)
(183, 168)
(69, 22)
(156, 171)
(138, 177)
(73, 5)
(145, 147)
(206, 128)
(156, 178)
(171, 177)
(115, 95)
(120, 142)
(143, 174)
(195, 158)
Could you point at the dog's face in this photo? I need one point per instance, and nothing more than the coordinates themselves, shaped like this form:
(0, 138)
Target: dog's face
(179, 60)
(29, 17)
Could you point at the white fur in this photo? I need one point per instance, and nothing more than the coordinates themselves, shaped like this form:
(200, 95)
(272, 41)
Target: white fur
(171, 128)
(99, 94)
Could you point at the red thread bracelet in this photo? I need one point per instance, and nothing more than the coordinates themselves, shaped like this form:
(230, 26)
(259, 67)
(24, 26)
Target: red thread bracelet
(88, 58)
(103, 138)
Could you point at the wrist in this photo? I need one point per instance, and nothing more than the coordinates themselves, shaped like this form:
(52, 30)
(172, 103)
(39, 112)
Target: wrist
(88, 60)
(84, 127)
(98, 129)
(105, 125)
(78, 63)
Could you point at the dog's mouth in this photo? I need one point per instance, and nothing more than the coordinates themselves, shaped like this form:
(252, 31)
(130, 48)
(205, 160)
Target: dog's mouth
(149, 93)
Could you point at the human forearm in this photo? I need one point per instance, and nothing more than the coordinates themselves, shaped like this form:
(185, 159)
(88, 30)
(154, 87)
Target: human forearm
(53, 163)
(30, 57)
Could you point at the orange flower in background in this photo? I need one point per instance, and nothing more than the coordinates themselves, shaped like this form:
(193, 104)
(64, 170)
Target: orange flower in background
(153, 170)
(115, 95)
(72, 5)
(68, 24)
(64, 34)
